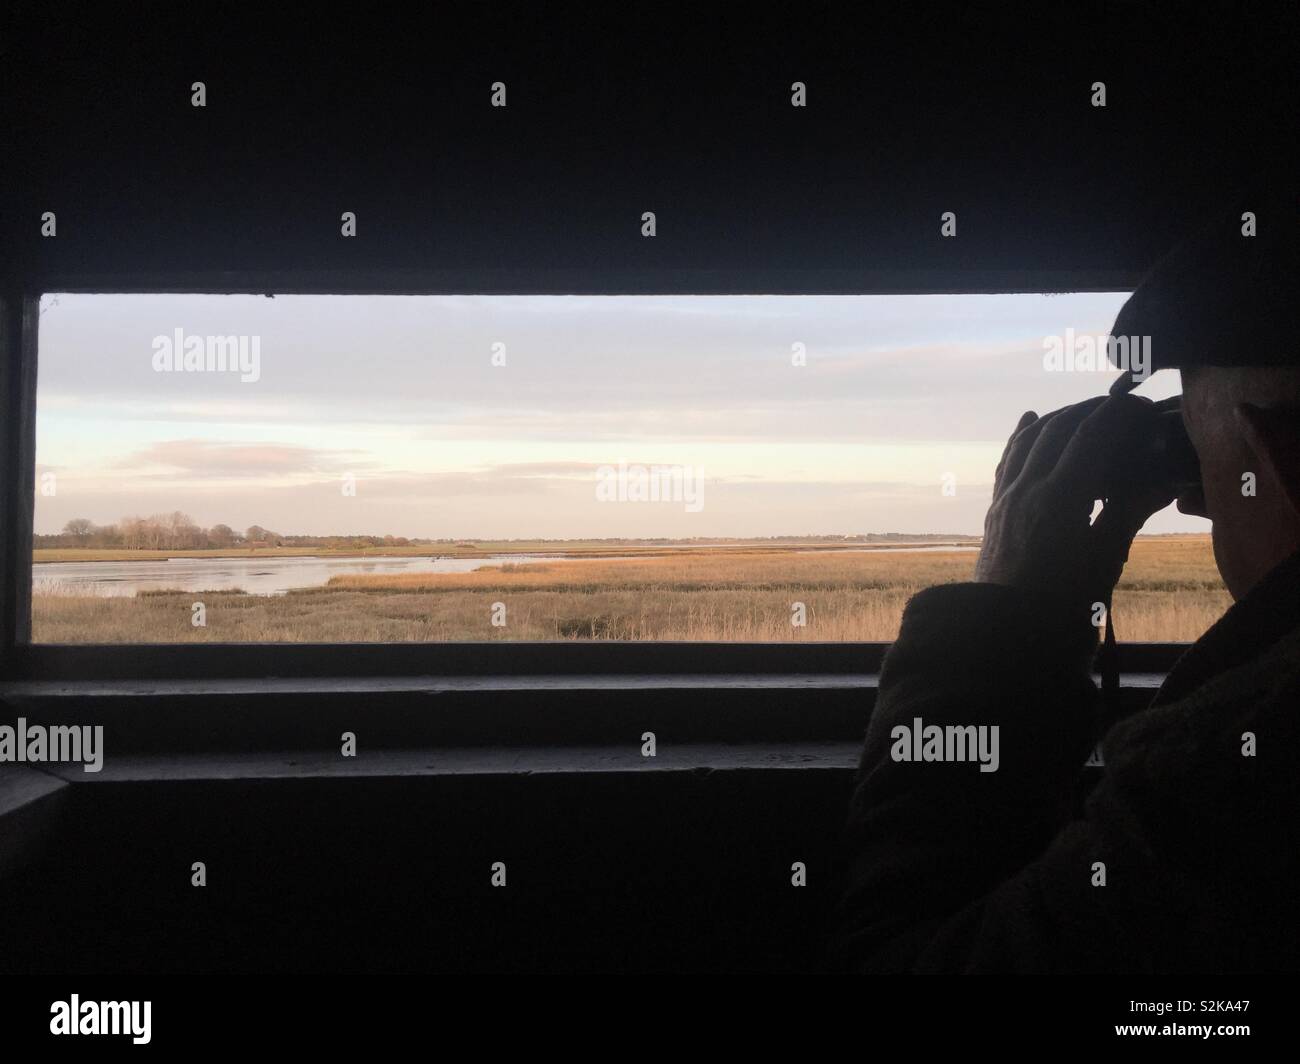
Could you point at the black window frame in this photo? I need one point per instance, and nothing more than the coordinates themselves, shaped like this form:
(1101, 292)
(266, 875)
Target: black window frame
(22, 660)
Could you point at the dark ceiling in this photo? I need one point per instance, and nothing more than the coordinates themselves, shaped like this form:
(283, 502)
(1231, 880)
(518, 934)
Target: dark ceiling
(615, 109)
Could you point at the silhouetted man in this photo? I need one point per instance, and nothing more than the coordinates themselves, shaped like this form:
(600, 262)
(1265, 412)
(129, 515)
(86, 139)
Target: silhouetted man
(1186, 856)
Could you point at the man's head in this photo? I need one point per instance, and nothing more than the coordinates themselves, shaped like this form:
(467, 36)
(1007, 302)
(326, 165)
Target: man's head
(1222, 308)
(1245, 425)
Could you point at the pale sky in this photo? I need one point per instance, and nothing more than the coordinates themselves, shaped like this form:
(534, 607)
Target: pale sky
(401, 393)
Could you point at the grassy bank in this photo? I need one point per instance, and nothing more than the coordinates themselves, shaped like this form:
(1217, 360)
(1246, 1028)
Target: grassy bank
(1170, 592)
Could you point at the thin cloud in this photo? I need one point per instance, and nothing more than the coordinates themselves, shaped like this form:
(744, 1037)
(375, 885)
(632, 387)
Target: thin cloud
(233, 459)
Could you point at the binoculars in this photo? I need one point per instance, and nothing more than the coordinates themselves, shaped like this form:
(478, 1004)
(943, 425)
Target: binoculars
(1167, 455)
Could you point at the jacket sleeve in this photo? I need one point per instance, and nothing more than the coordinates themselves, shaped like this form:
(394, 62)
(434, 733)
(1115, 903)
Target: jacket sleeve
(941, 857)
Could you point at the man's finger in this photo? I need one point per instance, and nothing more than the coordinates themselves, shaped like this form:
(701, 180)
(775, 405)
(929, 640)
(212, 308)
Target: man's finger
(1121, 518)
(1093, 459)
(1022, 443)
(1026, 419)
(1057, 429)
(1123, 515)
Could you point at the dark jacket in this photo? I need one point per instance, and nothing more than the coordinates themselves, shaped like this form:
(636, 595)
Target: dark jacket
(952, 869)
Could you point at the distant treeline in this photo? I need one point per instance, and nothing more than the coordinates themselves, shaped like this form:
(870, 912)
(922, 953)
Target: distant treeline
(178, 531)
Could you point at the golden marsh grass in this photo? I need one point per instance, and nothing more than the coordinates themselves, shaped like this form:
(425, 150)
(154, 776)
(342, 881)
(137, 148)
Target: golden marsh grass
(1170, 592)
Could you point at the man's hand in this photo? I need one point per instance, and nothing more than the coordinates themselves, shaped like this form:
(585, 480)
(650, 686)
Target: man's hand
(1038, 535)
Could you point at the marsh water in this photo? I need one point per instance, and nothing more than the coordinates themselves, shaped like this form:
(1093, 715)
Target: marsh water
(257, 576)
(276, 576)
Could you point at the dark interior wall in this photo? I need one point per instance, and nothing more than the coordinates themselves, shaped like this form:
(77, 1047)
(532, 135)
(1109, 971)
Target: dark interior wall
(617, 109)
(613, 109)
(316, 864)
(605, 872)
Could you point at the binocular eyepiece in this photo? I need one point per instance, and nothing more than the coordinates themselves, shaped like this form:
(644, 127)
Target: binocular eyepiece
(1168, 456)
